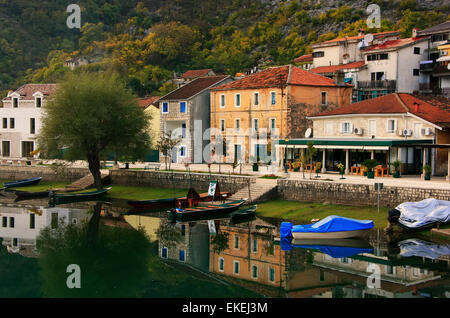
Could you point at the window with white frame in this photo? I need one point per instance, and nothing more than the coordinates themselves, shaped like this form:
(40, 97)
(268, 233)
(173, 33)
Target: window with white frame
(346, 128)
(182, 256)
(221, 264)
(391, 125)
(271, 274)
(165, 108)
(272, 124)
(236, 242)
(222, 100)
(183, 151)
(237, 124)
(323, 98)
(255, 245)
(254, 271)
(182, 107)
(15, 102)
(237, 100)
(38, 102)
(164, 252)
(256, 99)
(273, 98)
(222, 125)
(236, 267)
(255, 124)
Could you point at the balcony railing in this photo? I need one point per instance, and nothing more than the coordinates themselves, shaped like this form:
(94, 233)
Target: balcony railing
(441, 70)
(386, 84)
(427, 66)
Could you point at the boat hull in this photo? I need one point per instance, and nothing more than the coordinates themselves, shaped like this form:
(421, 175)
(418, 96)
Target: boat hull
(195, 212)
(22, 183)
(330, 235)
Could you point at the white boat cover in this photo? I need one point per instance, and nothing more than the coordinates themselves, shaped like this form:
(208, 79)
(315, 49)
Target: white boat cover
(422, 213)
(420, 248)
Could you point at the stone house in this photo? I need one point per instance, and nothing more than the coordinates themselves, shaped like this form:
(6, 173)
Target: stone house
(270, 104)
(21, 119)
(185, 113)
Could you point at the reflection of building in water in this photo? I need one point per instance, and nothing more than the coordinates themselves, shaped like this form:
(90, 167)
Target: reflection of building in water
(187, 243)
(20, 226)
(150, 224)
(397, 278)
(250, 258)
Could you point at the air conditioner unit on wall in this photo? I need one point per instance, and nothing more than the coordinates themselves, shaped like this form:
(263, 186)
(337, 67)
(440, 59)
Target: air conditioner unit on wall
(407, 132)
(444, 53)
(427, 131)
(358, 131)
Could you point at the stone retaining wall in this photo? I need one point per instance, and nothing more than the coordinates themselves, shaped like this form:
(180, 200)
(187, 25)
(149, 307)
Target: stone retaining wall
(47, 173)
(164, 179)
(354, 194)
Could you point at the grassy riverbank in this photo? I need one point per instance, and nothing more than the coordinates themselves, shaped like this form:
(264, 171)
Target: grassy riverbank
(41, 186)
(305, 212)
(143, 193)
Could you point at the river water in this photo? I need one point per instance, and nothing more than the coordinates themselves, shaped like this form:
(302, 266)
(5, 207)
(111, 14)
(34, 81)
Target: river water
(93, 249)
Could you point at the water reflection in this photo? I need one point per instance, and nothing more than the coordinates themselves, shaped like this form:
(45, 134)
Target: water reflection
(251, 254)
(121, 255)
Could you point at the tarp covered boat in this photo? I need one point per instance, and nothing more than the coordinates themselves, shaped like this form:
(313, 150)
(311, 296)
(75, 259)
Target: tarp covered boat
(336, 248)
(22, 183)
(331, 227)
(25, 195)
(423, 214)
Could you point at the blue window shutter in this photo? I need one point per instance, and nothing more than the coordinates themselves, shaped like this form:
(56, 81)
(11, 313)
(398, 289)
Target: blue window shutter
(165, 107)
(183, 107)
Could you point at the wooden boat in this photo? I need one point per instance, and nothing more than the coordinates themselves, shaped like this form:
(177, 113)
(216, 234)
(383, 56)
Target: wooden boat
(156, 204)
(244, 214)
(207, 210)
(331, 227)
(25, 195)
(65, 197)
(22, 183)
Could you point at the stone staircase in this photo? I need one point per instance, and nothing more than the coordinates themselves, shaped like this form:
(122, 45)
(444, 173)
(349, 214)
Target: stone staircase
(83, 183)
(261, 190)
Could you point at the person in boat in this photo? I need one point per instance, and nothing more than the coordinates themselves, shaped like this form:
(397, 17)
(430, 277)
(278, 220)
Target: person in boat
(393, 216)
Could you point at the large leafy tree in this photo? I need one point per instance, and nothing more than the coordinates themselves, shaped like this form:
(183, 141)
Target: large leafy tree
(92, 115)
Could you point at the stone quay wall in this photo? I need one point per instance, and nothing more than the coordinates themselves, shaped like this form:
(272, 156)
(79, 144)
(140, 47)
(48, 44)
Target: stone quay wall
(165, 179)
(354, 194)
(47, 173)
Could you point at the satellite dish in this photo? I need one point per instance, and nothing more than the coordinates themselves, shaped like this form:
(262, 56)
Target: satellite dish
(368, 38)
(308, 133)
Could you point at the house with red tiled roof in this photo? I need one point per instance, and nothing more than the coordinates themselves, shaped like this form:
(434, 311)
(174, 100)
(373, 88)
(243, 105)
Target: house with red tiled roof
(151, 107)
(396, 126)
(272, 103)
(185, 114)
(304, 61)
(21, 119)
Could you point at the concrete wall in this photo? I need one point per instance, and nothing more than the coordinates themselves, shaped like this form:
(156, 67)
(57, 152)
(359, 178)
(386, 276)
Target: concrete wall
(162, 179)
(47, 173)
(354, 194)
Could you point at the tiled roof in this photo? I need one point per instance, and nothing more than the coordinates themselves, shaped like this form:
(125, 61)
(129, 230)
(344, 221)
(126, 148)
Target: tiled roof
(270, 77)
(436, 28)
(196, 73)
(147, 101)
(358, 37)
(26, 91)
(334, 68)
(397, 103)
(276, 76)
(393, 44)
(194, 87)
(304, 58)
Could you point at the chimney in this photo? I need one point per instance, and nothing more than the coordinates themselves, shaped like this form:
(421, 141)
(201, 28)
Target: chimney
(416, 107)
(415, 32)
(339, 78)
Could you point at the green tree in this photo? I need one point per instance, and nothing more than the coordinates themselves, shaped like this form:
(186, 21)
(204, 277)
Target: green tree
(93, 114)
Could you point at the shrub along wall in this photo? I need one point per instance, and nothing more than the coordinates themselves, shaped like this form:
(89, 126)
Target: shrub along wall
(164, 179)
(47, 173)
(354, 194)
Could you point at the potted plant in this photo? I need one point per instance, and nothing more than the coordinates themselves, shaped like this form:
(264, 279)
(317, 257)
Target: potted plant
(396, 167)
(296, 166)
(341, 169)
(427, 172)
(370, 164)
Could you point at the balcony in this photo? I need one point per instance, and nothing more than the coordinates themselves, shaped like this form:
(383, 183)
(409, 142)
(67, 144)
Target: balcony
(383, 84)
(441, 70)
(427, 66)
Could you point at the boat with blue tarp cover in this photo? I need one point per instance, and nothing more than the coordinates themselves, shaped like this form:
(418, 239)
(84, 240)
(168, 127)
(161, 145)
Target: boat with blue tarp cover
(331, 227)
(336, 248)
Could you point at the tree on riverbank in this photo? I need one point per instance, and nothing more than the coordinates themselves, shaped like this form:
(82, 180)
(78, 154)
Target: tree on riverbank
(91, 116)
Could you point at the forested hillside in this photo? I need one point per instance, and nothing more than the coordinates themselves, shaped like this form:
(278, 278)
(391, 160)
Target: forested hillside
(147, 41)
